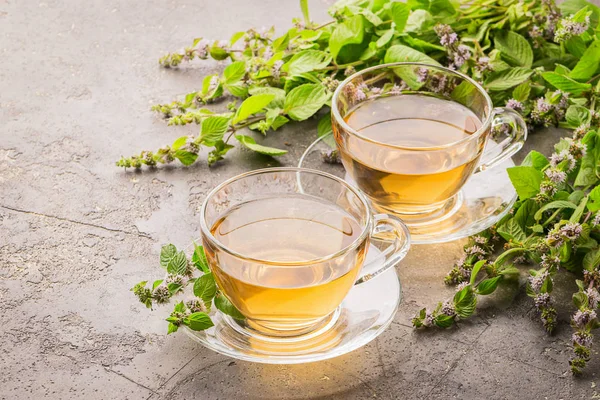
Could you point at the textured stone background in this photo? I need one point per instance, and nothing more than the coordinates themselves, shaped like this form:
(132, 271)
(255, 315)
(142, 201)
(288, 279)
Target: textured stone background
(76, 84)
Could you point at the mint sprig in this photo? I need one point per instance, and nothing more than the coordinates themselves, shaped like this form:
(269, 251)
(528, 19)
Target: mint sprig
(193, 313)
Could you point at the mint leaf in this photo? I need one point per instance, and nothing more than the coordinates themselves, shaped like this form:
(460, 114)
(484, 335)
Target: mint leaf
(172, 328)
(401, 53)
(419, 21)
(186, 157)
(510, 230)
(224, 305)
(199, 321)
(213, 129)
(536, 160)
(515, 49)
(478, 265)
(507, 78)
(178, 264)
(525, 213)
(205, 287)
(385, 38)
(443, 321)
(588, 64)
(199, 259)
(305, 14)
(250, 143)
(465, 302)
(221, 148)
(252, 105)
(587, 171)
(349, 36)
(521, 92)
(579, 210)
(593, 203)
(554, 205)
(526, 181)
(399, 13)
(167, 253)
(179, 143)
(488, 286)
(234, 72)
(591, 261)
(307, 61)
(305, 100)
(278, 93)
(325, 131)
(566, 84)
(577, 115)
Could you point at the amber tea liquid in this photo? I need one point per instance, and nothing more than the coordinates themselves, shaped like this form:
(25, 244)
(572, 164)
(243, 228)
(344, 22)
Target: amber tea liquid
(410, 181)
(288, 290)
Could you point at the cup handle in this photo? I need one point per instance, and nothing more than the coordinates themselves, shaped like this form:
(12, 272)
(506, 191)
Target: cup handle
(516, 136)
(387, 228)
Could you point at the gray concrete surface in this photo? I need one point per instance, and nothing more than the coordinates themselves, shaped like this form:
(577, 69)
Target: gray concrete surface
(76, 84)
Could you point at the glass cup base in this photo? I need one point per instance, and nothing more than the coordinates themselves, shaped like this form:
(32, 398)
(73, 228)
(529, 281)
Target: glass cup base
(365, 313)
(484, 199)
(418, 217)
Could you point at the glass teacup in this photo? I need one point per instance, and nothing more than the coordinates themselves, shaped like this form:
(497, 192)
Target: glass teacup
(286, 245)
(410, 135)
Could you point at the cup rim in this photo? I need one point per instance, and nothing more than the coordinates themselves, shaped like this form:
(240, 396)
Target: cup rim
(347, 128)
(207, 234)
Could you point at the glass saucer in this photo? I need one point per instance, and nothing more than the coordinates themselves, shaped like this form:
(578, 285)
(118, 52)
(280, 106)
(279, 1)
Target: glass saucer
(484, 200)
(365, 312)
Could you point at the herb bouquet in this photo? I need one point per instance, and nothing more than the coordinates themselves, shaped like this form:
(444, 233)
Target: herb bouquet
(537, 58)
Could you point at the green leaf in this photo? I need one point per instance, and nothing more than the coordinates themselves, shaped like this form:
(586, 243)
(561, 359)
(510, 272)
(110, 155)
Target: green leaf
(307, 61)
(186, 157)
(217, 52)
(199, 259)
(587, 171)
(199, 321)
(554, 205)
(510, 230)
(419, 21)
(212, 129)
(250, 143)
(580, 300)
(178, 264)
(515, 49)
(475, 270)
(488, 286)
(502, 80)
(305, 100)
(205, 287)
(536, 160)
(443, 321)
(325, 131)
(234, 72)
(576, 216)
(465, 302)
(577, 115)
(350, 34)
(591, 260)
(221, 148)
(156, 284)
(401, 53)
(588, 64)
(524, 215)
(526, 181)
(521, 92)
(278, 93)
(174, 288)
(593, 203)
(385, 38)
(305, 14)
(224, 305)
(399, 13)
(252, 105)
(179, 143)
(167, 253)
(465, 93)
(566, 84)
(172, 328)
